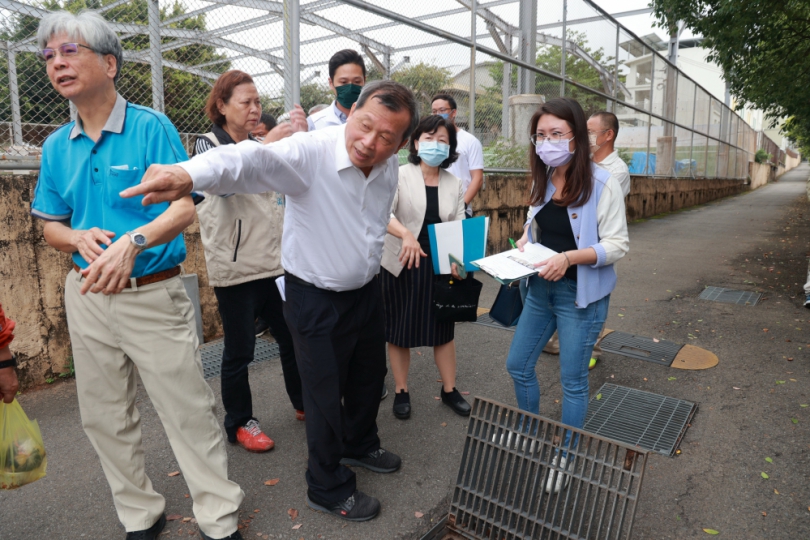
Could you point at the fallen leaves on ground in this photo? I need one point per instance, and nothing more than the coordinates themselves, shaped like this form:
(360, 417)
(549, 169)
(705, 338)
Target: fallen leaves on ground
(776, 491)
(465, 393)
(711, 531)
(419, 515)
(794, 420)
(598, 397)
(736, 387)
(444, 424)
(293, 513)
(672, 378)
(769, 460)
(780, 382)
(764, 475)
(296, 526)
(271, 482)
(175, 473)
(173, 517)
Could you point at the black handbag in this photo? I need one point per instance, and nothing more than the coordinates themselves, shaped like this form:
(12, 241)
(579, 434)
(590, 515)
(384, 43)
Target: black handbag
(508, 305)
(456, 300)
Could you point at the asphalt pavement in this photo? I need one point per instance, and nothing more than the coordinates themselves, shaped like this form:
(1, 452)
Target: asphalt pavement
(750, 403)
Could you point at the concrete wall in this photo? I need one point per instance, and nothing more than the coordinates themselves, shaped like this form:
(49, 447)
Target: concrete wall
(759, 173)
(32, 274)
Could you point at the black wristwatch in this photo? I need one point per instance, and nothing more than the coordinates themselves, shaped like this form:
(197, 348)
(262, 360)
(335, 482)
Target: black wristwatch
(9, 363)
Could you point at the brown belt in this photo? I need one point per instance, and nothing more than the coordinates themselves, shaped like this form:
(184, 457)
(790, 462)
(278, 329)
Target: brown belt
(147, 280)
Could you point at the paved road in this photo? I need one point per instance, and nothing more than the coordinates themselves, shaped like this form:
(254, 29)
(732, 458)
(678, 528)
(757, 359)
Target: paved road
(755, 241)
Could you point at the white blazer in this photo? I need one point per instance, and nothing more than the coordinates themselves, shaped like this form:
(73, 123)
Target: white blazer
(410, 205)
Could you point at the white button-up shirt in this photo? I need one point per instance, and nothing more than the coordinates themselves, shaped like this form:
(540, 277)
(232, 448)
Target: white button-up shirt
(335, 219)
(330, 116)
(618, 168)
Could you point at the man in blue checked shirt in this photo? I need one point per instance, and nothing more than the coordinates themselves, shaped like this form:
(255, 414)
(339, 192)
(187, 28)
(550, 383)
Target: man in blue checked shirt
(126, 306)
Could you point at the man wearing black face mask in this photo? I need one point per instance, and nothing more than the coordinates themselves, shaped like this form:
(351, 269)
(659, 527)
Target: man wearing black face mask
(347, 76)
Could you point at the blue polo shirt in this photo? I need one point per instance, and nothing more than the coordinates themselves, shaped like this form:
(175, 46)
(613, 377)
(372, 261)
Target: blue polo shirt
(80, 179)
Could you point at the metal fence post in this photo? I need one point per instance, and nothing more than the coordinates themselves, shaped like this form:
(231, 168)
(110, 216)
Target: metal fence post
(564, 51)
(473, 20)
(506, 90)
(16, 116)
(528, 45)
(292, 54)
(156, 56)
(616, 74)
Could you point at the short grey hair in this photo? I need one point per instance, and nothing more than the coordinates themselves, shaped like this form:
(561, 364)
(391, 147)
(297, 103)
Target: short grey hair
(87, 25)
(394, 97)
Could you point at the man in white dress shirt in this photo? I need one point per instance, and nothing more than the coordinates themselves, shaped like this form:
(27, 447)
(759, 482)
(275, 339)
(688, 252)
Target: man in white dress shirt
(347, 76)
(469, 166)
(603, 128)
(340, 183)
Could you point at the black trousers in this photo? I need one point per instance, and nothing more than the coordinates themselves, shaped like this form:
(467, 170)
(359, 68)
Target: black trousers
(239, 305)
(339, 342)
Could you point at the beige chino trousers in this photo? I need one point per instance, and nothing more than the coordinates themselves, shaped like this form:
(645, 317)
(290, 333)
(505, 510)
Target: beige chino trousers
(151, 328)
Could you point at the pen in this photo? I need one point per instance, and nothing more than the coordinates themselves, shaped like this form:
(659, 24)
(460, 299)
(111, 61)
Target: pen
(512, 242)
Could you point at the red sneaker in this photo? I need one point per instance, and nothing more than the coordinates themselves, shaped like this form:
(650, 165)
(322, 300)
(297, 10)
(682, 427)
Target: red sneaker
(252, 439)
(299, 415)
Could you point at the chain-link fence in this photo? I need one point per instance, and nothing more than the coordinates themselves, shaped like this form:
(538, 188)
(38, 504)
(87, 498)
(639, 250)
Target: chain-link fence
(498, 66)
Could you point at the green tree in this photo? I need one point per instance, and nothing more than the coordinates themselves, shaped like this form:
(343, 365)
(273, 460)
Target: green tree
(425, 81)
(763, 47)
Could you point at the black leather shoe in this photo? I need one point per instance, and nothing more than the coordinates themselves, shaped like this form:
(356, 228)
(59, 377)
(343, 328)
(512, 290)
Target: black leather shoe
(456, 401)
(402, 405)
(235, 536)
(358, 507)
(151, 533)
(380, 461)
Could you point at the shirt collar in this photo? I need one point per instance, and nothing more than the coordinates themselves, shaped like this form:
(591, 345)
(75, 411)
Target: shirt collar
(610, 158)
(115, 122)
(338, 113)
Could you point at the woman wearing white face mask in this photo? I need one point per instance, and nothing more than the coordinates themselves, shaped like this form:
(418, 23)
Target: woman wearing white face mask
(576, 209)
(426, 194)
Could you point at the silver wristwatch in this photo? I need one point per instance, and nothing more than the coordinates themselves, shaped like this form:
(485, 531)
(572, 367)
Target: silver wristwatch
(137, 239)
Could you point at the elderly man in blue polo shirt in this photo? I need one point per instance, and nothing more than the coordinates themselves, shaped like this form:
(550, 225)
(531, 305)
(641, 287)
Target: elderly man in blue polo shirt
(125, 303)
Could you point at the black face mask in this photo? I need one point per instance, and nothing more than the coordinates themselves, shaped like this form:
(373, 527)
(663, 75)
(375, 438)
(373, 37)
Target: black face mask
(347, 94)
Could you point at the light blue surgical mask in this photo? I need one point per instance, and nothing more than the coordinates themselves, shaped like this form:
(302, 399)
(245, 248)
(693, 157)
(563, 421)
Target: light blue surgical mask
(433, 153)
(446, 116)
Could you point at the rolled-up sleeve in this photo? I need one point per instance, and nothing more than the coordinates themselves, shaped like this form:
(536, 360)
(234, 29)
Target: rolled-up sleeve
(252, 168)
(614, 242)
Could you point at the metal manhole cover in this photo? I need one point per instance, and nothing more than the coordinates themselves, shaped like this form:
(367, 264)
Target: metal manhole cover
(508, 459)
(730, 296)
(211, 355)
(485, 320)
(661, 352)
(638, 418)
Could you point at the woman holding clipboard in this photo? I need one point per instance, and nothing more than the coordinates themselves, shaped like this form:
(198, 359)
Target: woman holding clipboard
(427, 194)
(577, 210)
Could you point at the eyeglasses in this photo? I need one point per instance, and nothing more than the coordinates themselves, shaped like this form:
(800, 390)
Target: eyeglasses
(598, 132)
(65, 49)
(441, 111)
(554, 137)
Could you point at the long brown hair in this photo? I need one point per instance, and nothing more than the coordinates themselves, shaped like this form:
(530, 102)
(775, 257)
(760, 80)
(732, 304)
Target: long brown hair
(578, 177)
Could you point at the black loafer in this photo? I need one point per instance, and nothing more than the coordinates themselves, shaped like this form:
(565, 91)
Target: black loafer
(380, 461)
(402, 405)
(151, 533)
(358, 507)
(235, 536)
(456, 401)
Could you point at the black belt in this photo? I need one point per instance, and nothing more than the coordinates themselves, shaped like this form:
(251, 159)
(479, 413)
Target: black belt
(291, 278)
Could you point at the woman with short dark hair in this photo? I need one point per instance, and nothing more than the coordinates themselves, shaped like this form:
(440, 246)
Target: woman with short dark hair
(241, 235)
(427, 194)
(577, 210)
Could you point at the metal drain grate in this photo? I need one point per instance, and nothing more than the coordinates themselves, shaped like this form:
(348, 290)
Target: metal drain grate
(509, 456)
(641, 419)
(485, 320)
(661, 352)
(730, 296)
(211, 354)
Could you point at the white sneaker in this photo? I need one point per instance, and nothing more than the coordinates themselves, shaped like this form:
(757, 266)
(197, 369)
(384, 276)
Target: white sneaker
(557, 479)
(520, 441)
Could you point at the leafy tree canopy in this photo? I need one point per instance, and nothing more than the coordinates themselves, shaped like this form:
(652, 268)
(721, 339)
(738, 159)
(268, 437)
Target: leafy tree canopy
(763, 47)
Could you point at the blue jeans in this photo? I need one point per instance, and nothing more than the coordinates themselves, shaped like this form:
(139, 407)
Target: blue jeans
(549, 306)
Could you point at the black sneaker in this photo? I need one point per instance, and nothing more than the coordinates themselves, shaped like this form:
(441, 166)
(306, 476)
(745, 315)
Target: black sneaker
(358, 507)
(151, 533)
(235, 536)
(261, 326)
(456, 401)
(380, 461)
(402, 405)
(384, 392)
